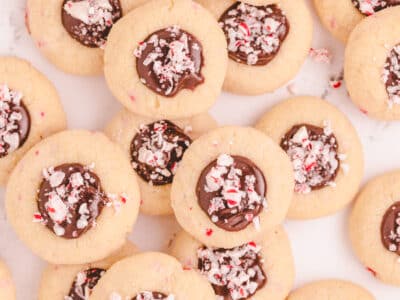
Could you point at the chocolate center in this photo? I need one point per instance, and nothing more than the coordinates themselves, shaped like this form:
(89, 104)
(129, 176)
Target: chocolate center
(390, 228)
(254, 33)
(231, 191)
(152, 296)
(314, 154)
(170, 60)
(15, 121)
(84, 283)
(156, 151)
(235, 274)
(70, 199)
(90, 21)
(369, 7)
(391, 76)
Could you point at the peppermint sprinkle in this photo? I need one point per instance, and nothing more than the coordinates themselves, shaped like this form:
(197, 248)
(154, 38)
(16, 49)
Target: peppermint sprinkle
(369, 7)
(391, 76)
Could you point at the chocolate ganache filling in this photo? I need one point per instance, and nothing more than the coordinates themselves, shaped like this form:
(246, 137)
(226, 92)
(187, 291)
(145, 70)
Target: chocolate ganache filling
(314, 154)
(153, 296)
(90, 21)
(70, 199)
(235, 274)
(15, 121)
(170, 60)
(84, 283)
(231, 191)
(156, 151)
(390, 228)
(369, 7)
(254, 33)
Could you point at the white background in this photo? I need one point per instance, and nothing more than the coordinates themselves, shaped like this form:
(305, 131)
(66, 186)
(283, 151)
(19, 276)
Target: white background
(321, 247)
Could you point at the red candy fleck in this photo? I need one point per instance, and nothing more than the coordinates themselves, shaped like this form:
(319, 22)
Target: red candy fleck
(123, 199)
(42, 114)
(252, 244)
(373, 272)
(365, 112)
(209, 231)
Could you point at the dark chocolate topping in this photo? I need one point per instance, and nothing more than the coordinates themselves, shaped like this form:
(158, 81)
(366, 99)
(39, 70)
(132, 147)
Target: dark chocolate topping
(170, 60)
(391, 75)
(70, 199)
(390, 228)
(314, 154)
(156, 151)
(254, 33)
(90, 21)
(235, 274)
(84, 283)
(369, 7)
(150, 296)
(231, 191)
(15, 121)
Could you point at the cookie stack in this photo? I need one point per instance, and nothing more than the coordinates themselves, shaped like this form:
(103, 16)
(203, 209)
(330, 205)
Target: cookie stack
(73, 196)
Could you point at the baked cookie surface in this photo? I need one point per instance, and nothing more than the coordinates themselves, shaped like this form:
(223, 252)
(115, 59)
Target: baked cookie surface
(72, 33)
(170, 65)
(30, 111)
(73, 198)
(233, 184)
(332, 290)
(151, 276)
(325, 151)
(371, 68)
(269, 262)
(374, 227)
(268, 42)
(7, 288)
(155, 148)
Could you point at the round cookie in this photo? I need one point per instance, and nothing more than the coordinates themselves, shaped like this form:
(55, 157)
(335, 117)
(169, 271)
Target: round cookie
(72, 33)
(260, 65)
(233, 184)
(325, 151)
(73, 198)
(374, 227)
(7, 288)
(30, 110)
(76, 282)
(170, 65)
(269, 263)
(333, 289)
(341, 16)
(151, 276)
(371, 68)
(155, 148)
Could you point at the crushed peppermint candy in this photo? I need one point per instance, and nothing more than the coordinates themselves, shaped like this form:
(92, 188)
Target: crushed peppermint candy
(231, 190)
(369, 7)
(390, 228)
(90, 21)
(14, 121)
(314, 154)
(254, 33)
(156, 151)
(235, 274)
(391, 76)
(84, 283)
(146, 295)
(70, 199)
(170, 60)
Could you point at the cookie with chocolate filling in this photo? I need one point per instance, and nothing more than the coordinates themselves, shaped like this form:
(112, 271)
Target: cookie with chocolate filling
(73, 198)
(155, 148)
(72, 33)
(324, 150)
(30, 110)
(233, 185)
(268, 41)
(341, 16)
(375, 86)
(156, 276)
(375, 227)
(253, 269)
(7, 288)
(76, 282)
(333, 289)
(168, 65)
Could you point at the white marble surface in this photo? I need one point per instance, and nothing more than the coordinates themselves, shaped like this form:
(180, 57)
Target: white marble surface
(321, 247)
